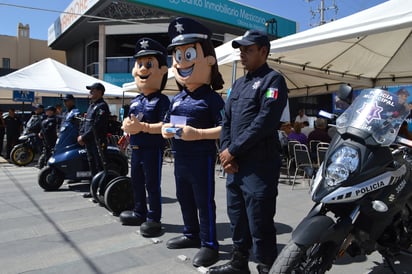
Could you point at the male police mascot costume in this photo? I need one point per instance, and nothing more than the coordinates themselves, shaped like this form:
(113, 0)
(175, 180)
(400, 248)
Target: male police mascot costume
(144, 124)
(194, 123)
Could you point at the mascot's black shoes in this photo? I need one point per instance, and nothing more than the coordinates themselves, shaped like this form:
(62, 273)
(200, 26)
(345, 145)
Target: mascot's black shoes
(130, 218)
(182, 242)
(150, 229)
(205, 257)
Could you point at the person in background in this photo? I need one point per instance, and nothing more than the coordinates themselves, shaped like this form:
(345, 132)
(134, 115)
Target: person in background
(14, 127)
(93, 132)
(320, 133)
(114, 126)
(33, 125)
(144, 125)
(59, 114)
(49, 129)
(250, 156)
(297, 135)
(69, 105)
(301, 117)
(306, 129)
(2, 131)
(196, 115)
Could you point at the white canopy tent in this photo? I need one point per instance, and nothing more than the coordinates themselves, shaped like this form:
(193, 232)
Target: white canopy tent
(51, 77)
(366, 49)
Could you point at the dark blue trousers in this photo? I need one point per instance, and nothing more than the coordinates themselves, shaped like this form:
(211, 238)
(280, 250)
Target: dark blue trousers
(251, 206)
(195, 191)
(146, 171)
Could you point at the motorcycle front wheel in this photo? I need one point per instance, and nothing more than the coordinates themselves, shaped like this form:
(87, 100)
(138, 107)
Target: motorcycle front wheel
(316, 258)
(22, 155)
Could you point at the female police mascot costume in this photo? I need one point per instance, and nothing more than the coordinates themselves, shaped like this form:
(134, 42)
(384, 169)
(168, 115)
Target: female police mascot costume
(194, 122)
(144, 124)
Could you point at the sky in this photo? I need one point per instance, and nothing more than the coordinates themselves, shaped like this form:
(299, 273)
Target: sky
(295, 10)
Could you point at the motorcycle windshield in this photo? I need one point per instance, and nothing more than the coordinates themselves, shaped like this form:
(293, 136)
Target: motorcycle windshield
(377, 113)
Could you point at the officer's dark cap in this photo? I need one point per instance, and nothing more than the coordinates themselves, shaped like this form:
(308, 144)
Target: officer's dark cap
(252, 37)
(147, 46)
(39, 106)
(68, 97)
(50, 108)
(98, 86)
(183, 31)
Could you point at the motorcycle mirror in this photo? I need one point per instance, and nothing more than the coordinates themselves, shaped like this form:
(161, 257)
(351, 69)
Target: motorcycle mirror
(345, 93)
(326, 114)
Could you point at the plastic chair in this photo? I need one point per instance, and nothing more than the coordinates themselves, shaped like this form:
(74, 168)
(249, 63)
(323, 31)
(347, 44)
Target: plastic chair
(302, 160)
(290, 156)
(321, 151)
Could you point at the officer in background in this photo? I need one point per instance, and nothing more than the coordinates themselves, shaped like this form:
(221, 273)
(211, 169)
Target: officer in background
(250, 155)
(69, 104)
(49, 128)
(14, 127)
(96, 121)
(34, 125)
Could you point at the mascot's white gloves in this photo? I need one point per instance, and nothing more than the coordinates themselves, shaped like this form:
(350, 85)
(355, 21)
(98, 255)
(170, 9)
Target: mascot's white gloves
(131, 125)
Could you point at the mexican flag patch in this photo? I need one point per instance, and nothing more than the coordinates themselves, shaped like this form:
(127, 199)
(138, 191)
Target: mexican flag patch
(272, 93)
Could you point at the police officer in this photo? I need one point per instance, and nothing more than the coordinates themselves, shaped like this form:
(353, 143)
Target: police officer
(69, 104)
(96, 121)
(34, 125)
(195, 114)
(144, 125)
(250, 155)
(49, 128)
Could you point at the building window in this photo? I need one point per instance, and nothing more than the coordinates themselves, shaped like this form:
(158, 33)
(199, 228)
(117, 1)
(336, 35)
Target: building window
(6, 63)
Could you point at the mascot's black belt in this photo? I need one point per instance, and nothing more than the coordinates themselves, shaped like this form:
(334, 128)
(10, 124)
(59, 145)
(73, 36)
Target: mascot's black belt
(134, 147)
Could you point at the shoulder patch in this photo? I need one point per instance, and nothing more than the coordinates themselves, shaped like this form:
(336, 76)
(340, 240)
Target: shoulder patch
(272, 93)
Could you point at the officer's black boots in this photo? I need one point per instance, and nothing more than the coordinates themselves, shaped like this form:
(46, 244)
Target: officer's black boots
(206, 257)
(238, 264)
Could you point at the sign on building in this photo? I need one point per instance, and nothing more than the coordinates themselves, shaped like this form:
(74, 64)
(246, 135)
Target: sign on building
(23, 96)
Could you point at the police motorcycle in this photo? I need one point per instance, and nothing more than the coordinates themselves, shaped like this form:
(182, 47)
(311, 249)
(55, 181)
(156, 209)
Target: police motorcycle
(69, 159)
(29, 144)
(362, 192)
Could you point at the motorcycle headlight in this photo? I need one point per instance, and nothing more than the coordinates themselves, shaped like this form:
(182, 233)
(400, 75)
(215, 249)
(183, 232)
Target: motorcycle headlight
(344, 161)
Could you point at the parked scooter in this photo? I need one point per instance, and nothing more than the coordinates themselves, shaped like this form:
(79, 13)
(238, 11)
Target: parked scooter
(362, 190)
(69, 159)
(29, 144)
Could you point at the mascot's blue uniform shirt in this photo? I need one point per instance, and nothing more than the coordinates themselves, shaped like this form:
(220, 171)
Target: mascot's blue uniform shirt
(202, 109)
(153, 108)
(252, 115)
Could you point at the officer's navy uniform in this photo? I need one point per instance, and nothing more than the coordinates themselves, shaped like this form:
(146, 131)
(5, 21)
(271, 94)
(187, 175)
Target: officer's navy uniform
(49, 127)
(147, 155)
(251, 118)
(195, 161)
(96, 120)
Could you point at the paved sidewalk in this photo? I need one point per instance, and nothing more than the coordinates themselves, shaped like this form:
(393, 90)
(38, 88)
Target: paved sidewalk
(61, 232)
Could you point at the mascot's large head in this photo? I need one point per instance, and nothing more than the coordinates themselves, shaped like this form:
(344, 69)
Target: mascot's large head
(150, 67)
(194, 57)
